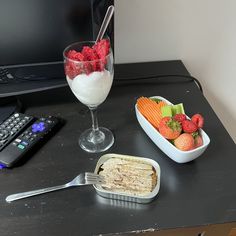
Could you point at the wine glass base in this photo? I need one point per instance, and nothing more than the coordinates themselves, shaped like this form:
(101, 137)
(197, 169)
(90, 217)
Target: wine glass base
(98, 141)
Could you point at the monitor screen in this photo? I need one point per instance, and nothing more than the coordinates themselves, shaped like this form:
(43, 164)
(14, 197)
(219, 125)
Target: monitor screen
(35, 32)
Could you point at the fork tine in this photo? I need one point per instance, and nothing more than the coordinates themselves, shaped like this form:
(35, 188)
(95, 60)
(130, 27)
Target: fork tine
(94, 177)
(91, 177)
(92, 174)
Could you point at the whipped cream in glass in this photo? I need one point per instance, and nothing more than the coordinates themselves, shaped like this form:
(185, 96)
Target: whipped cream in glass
(91, 89)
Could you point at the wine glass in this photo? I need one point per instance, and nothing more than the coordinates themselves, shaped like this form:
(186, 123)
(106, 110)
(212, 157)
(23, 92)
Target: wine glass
(90, 81)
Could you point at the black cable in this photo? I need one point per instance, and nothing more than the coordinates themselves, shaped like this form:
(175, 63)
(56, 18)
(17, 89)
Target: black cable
(161, 76)
(13, 102)
(128, 79)
(42, 78)
(19, 105)
(8, 106)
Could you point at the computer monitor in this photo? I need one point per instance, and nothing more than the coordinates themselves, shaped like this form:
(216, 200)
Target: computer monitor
(33, 35)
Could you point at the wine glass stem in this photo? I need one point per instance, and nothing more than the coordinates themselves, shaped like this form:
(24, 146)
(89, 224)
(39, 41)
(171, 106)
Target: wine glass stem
(93, 111)
(96, 136)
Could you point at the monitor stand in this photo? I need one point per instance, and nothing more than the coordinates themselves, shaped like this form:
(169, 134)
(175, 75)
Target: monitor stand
(8, 106)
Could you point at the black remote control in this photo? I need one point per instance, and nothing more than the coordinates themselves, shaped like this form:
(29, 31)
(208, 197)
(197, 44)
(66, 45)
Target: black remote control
(27, 140)
(12, 127)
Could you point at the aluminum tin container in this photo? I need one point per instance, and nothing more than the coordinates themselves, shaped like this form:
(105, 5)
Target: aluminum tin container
(127, 197)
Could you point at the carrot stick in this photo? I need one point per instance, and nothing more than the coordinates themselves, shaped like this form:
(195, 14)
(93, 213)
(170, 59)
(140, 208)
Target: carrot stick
(151, 110)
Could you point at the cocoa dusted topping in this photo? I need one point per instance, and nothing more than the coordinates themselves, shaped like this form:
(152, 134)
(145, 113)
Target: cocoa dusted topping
(128, 176)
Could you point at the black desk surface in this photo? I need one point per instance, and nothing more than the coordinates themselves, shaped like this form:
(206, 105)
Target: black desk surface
(201, 192)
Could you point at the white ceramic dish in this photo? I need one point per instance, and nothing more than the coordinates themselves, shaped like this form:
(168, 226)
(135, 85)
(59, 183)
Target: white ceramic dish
(169, 149)
(128, 197)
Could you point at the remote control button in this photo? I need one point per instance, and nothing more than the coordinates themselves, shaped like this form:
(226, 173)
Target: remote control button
(31, 139)
(11, 129)
(38, 127)
(4, 134)
(27, 136)
(24, 143)
(18, 140)
(21, 146)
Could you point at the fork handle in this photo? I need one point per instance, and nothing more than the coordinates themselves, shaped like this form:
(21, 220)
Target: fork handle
(18, 196)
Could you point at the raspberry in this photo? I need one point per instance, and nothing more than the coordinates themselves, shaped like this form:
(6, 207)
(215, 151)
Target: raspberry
(94, 59)
(87, 67)
(72, 69)
(102, 48)
(89, 54)
(101, 64)
(74, 55)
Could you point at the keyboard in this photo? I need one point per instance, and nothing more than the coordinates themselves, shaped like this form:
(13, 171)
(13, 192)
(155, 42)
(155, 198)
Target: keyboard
(5, 76)
(20, 80)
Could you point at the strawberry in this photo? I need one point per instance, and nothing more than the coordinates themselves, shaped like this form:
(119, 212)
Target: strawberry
(198, 141)
(188, 126)
(169, 128)
(198, 120)
(180, 117)
(184, 142)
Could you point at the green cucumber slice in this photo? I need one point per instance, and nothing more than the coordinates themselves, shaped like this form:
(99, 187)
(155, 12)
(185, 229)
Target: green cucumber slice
(178, 109)
(166, 110)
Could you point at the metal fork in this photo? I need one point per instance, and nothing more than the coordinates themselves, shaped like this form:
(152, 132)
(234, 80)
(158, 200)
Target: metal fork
(86, 178)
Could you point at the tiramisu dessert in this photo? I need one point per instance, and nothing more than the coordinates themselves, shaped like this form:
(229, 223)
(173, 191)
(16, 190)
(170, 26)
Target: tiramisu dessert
(128, 176)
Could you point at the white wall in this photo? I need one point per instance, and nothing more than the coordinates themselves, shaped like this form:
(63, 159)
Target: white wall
(202, 33)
